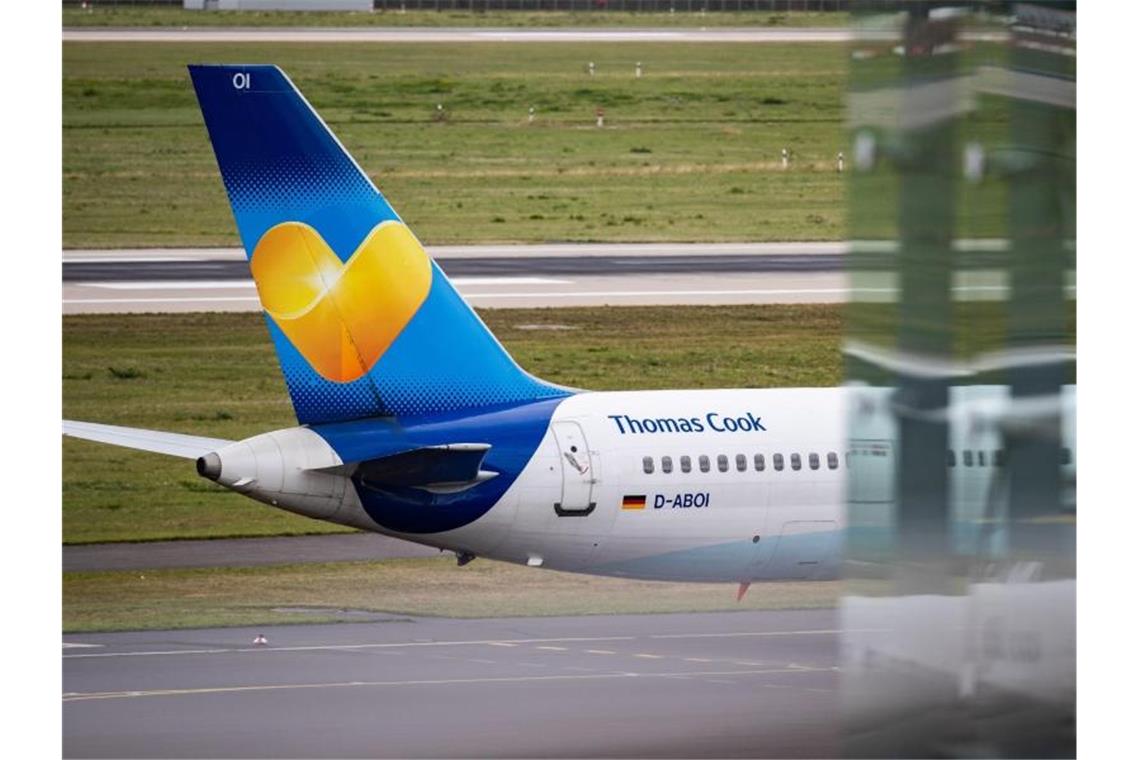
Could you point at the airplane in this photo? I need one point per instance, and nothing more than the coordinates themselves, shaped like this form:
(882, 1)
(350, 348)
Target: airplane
(415, 422)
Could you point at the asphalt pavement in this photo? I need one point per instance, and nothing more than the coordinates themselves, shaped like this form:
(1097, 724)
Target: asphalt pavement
(735, 684)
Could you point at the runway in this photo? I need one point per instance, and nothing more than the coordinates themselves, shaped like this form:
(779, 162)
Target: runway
(736, 684)
(551, 275)
(460, 34)
(239, 552)
(176, 280)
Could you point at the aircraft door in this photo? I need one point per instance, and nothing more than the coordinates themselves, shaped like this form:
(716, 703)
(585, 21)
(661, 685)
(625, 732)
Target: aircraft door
(578, 470)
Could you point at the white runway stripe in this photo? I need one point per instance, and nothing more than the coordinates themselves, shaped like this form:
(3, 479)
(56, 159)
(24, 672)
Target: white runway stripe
(248, 284)
(172, 285)
(78, 696)
(461, 643)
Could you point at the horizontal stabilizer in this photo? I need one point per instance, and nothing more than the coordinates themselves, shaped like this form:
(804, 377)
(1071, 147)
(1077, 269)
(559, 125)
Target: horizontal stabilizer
(453, 464)
(174, 444)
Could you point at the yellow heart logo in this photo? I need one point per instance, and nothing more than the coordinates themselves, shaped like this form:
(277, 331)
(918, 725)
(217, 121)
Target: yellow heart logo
(341, 317)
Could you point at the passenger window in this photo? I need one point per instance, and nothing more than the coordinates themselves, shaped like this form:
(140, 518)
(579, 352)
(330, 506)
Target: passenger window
(778, 461)
(951, 460)
(666, 465)
(647, 465)
(832, 460)
(968, 458)
(686, 464)
(741, 462)
(999, 458)
(722, 462)
(703, 461)
(813, 461)
(796, 461)
(758, 462)
(1066, 455)
(981, 459)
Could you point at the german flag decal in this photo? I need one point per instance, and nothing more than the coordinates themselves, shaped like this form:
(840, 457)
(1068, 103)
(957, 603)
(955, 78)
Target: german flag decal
(633, 502)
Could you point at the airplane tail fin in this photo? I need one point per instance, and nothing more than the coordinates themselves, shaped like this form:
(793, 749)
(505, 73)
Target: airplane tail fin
(364, 322)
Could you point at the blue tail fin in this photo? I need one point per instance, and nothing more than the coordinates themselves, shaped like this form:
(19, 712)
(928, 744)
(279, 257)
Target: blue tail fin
(364, 322)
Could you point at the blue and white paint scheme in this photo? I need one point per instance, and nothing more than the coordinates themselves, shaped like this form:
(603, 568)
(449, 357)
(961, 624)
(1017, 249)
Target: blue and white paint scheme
(416, 423)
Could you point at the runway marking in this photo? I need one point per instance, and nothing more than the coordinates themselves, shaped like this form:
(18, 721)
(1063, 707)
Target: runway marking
(82, 697)
(461, 281)
(172, 285)
(216, 299)
(651, 656)
(249, 284)
(741, 634)
(697, 659)
(77, 645)
(642, 293)
(553, 649)
(535, 294)
(134, 259)
(481, 642)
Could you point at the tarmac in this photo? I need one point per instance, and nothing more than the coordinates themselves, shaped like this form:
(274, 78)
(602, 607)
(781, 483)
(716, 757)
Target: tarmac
(735, 684)
(591, 274)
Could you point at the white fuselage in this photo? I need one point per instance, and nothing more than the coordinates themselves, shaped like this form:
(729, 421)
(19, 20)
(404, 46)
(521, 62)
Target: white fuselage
(717, 485)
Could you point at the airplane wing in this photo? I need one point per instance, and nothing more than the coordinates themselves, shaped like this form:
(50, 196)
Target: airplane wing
(174, 444)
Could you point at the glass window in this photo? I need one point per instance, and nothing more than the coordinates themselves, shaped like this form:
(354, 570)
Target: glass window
(1066, 455)
(968, 458)
(778, 461)
(666, 464)
(758, 462)
(832, 460)
(847, 459)
(951, 460)
(722, 462)
(981, 459)
(813, 461)
(703, 461)
(796, 461)
(647, 465)
(741, 462)
(999, 458)
(686, 464)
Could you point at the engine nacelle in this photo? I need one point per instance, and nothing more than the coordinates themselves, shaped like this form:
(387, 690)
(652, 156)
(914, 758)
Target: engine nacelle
(279, 468)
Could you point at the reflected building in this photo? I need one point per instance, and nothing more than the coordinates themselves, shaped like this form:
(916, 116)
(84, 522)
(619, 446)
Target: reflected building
(959, 605)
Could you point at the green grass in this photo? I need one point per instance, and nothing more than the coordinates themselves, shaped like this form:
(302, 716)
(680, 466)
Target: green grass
(177, 17)
(98, 601)
(216, 375)
(689, 152)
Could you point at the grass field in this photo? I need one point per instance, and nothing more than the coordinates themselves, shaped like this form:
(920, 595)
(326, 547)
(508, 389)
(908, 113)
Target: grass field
(689, 152)
(216, 375)
(177, 17)
(343, 591)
